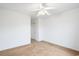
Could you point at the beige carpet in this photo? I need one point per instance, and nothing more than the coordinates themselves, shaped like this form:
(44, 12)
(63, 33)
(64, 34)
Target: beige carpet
(39, 49)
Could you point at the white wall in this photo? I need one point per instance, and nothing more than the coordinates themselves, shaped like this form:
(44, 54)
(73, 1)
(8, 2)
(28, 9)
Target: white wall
(14, 29)
(62, 29)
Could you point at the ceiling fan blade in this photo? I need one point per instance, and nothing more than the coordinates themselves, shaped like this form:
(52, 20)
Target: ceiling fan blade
(50, 8)
(41, 6)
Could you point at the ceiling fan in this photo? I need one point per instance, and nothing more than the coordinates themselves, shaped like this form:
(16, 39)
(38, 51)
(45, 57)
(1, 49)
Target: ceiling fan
(43, 10)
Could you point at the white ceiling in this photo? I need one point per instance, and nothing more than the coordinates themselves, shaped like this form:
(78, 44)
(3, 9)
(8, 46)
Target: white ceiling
(20, 7)
(28, 7)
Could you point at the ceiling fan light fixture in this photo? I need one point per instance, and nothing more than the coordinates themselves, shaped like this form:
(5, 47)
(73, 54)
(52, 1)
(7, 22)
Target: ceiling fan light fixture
(43, 10)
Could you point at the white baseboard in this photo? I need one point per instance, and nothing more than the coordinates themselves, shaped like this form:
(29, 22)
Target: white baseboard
(60, 45)
(14, 46)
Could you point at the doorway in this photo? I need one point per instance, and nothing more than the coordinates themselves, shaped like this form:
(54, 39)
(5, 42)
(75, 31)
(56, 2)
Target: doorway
(34, 29)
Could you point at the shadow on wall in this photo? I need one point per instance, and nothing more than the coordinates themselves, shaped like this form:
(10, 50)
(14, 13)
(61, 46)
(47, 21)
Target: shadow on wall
(76, 41)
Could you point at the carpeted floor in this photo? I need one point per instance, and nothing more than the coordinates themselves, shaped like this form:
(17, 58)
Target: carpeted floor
(39, 49)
